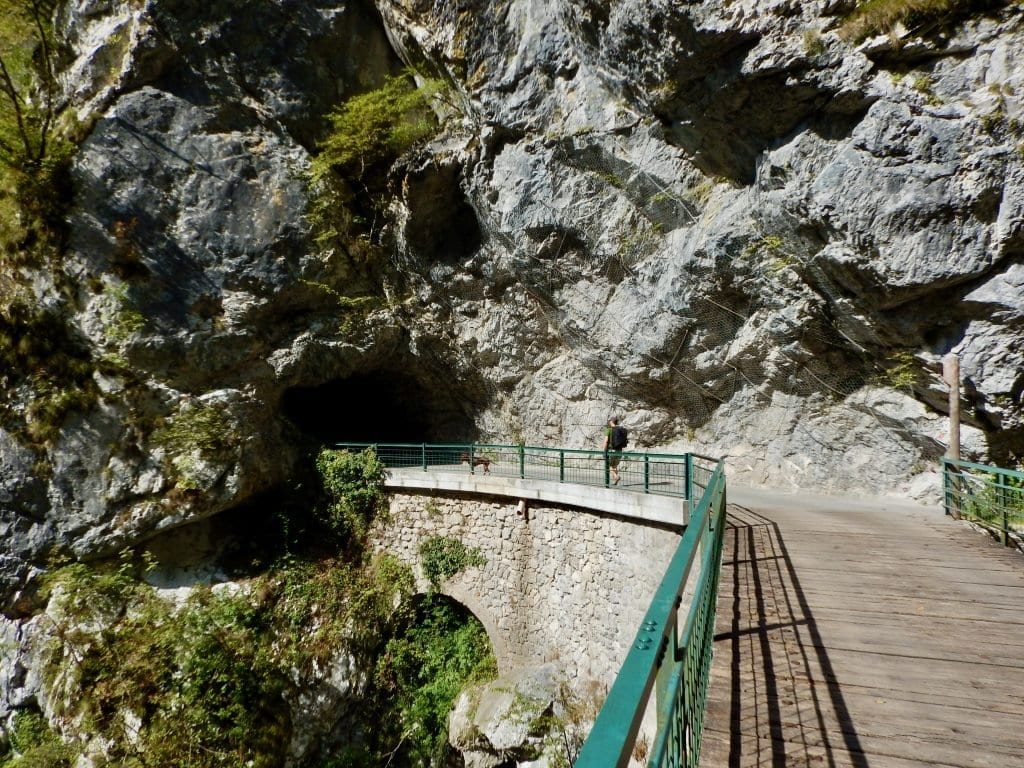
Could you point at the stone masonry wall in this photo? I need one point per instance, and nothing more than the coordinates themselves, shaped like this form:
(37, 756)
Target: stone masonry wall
(561, 585)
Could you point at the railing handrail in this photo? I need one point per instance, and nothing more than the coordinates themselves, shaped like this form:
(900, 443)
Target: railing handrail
(659, 651)
(987, 495)
(987, 468)
(533, 448)
(649, 473)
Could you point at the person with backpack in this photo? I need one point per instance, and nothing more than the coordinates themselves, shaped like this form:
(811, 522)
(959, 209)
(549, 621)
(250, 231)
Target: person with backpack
(616, 437)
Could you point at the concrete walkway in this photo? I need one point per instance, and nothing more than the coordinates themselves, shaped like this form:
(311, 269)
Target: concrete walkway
(869, 633)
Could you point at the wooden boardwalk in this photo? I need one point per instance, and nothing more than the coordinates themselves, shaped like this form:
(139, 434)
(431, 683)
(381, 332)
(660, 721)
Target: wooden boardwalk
(864, 634)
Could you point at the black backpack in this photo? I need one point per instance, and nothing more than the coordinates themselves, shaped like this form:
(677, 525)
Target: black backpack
(620, 438)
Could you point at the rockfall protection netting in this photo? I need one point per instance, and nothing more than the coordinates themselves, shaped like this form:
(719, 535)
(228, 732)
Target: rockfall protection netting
(762, 323)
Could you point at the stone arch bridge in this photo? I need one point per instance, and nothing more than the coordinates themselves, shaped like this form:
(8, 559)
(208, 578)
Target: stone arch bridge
(569, 571)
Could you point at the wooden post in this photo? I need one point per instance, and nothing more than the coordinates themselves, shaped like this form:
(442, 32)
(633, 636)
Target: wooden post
(951, 374)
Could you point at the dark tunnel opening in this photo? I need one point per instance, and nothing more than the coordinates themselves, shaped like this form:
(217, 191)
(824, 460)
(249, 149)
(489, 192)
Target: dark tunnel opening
(380, 407)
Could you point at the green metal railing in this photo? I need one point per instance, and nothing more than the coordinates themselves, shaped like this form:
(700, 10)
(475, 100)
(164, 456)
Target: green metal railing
(672, 659)
(992, 497)
(658, 473)
(671, 653)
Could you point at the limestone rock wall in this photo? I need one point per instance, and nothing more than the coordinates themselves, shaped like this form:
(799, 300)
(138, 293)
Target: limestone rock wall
(740, 231)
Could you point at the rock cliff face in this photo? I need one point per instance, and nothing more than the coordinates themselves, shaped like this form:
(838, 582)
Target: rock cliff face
(742, 232)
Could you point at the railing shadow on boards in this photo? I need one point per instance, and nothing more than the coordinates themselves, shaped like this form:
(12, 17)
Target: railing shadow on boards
(656, 473)
(671, 653)
(989, 496)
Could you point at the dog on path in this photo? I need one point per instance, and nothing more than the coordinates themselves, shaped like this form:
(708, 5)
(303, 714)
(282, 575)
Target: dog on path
(478, 461)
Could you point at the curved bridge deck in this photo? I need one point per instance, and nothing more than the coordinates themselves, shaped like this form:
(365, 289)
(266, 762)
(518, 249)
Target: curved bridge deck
(864, 634)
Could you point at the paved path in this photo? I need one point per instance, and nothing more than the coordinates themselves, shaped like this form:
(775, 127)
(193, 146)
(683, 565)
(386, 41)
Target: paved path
(864, 634)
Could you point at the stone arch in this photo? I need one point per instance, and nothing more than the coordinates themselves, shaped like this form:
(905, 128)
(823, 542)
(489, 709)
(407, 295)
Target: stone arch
(465, 596)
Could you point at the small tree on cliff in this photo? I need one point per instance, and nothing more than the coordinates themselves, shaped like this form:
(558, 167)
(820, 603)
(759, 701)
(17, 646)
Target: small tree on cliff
(33, 160)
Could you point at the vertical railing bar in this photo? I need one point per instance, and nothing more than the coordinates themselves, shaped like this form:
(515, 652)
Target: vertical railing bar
(1003, 504)
(688, 476)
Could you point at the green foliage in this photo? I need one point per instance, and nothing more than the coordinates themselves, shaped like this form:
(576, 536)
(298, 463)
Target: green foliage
(33, 160)
(872, 17)
(355, 484)
(813, 43)
(36, 349)
(374, 128)
(27, 81)
(321, 606)
(35, 345)
(36, 745)
(771, 249)
(900, 371)
(443, 557)
(352, 309)
(205, 683)
(424, 669)
(200, 680)
(201, 427)
(991, 500)
(123, 320)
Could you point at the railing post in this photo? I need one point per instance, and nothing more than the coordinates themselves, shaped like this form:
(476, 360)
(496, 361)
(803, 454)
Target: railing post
(522, 461)
(947, 489)
(561, 466)
(688, 476)
(647, 473)
(423, 448)
(607, 471)
(472, 453)
(1003, 503)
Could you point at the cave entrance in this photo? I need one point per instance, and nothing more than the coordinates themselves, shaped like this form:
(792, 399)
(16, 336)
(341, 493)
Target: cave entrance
(379, 407)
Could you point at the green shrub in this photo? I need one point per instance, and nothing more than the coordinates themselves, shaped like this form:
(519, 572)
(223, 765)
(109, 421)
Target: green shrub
(36, 745)
(355, 484)
(122, 319)
(203, 427)
(813, 43)
(323, 605)
(33, 158)
(374, 128)
(444, 557)
(423, 670)
(206, 682)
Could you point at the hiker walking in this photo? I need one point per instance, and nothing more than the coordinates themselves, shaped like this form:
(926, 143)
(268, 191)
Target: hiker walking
(615, 439)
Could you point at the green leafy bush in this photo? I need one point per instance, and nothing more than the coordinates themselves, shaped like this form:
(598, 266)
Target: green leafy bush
(355, 484)
(375, 127)
(35, 745)
(423, 670)
(206, 683)
(33, 158)
(444, 557)
(203, 427)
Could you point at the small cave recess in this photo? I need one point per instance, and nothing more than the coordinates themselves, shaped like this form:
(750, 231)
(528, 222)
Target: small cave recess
(379, 407)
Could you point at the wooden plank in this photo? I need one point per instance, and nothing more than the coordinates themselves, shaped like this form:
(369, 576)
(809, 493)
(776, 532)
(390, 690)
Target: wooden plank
(872, 638)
